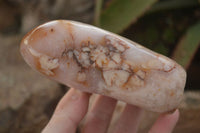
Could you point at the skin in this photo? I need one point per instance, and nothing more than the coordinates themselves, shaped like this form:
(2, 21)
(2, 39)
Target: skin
(73, 107)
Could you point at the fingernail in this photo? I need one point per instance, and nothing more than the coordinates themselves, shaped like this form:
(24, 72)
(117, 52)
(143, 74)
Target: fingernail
(171, 112)
(75, 94)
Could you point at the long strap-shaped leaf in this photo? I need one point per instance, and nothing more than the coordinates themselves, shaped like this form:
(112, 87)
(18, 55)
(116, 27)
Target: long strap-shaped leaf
(121, 13)
(187, 46)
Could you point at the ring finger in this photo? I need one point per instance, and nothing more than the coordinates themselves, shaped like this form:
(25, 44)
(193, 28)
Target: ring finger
(129, 120)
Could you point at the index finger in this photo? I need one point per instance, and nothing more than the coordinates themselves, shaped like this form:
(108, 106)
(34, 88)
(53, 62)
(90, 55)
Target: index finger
(69, 112)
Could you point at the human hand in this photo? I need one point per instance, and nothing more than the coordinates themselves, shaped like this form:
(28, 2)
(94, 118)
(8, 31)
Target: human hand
(74, 105)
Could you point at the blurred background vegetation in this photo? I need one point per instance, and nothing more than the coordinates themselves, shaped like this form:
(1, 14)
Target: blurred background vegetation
(170, 27)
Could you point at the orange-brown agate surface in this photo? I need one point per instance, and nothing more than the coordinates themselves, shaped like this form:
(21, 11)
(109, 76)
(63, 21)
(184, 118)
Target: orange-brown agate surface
(97, 61)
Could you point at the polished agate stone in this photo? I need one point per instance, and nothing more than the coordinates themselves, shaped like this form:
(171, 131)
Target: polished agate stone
(97, 61)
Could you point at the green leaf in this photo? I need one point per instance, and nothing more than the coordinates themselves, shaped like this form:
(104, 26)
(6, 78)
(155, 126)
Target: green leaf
(188, 46)
(121, 13)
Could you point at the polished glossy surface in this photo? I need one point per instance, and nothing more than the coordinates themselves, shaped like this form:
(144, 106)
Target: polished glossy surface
(97, 61)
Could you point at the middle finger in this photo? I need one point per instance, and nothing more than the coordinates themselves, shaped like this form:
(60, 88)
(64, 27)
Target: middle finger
(98, 118)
